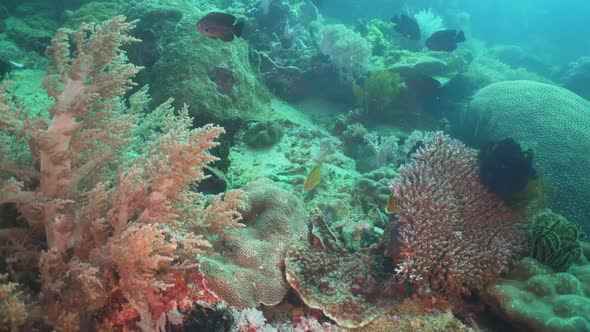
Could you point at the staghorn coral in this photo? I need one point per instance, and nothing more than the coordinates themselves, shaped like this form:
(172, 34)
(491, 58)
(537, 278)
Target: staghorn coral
(121, 226)
(245, 266)
(453, 236)
(348, 287)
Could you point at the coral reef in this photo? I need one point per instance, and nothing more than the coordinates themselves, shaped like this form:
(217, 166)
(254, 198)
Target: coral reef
(290, 160)
(553, 122)
(408, 63)
(32, 24)
(453, 236)
(576, 77)
(413, 315)
(92, 12)
(372, 188)
(118, 213)
(485, 69)
(381, 35)
(429, 22)
(378, 93)
(13, 308)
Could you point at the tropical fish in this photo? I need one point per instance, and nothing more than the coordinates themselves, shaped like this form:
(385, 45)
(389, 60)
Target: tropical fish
(407, 26)
(423, 86)
(313, 179)
(445, 40)
(16, 64)
(419, 145)
(392, 204)
(220, 25)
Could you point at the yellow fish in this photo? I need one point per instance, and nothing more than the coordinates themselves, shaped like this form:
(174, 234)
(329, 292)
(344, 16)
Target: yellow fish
(392, 204)
(313, 179)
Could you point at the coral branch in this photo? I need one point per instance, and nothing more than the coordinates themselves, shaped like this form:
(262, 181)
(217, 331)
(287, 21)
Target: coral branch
(454, 236)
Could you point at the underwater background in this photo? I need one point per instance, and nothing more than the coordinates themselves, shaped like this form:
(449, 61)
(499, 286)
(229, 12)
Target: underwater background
(294, 165)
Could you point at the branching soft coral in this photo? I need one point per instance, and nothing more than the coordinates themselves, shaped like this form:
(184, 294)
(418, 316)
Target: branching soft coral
(13, 311)
(110, 193)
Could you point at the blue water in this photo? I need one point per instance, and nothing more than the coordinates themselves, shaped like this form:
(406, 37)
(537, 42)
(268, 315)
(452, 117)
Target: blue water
(547, 28)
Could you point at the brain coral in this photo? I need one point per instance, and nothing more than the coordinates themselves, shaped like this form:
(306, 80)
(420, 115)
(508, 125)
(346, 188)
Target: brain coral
(246, 269)
(555, 123)
(537, 299)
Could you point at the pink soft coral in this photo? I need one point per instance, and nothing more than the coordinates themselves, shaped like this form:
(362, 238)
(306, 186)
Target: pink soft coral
(114, 225)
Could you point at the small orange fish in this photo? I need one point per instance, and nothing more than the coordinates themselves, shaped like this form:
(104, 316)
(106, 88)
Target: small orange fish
(392, 204)
(313, 179)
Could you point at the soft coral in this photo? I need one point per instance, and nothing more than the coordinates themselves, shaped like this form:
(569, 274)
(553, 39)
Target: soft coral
(113, 224)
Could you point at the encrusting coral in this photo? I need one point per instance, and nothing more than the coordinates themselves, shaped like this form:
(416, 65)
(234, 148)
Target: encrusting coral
(534, 297)
(351, 288)
(108, 188)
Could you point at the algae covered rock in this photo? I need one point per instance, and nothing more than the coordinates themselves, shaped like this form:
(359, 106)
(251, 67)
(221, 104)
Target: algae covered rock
(555, 124)
(213, 77)
(32, 25)
(93, 12)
